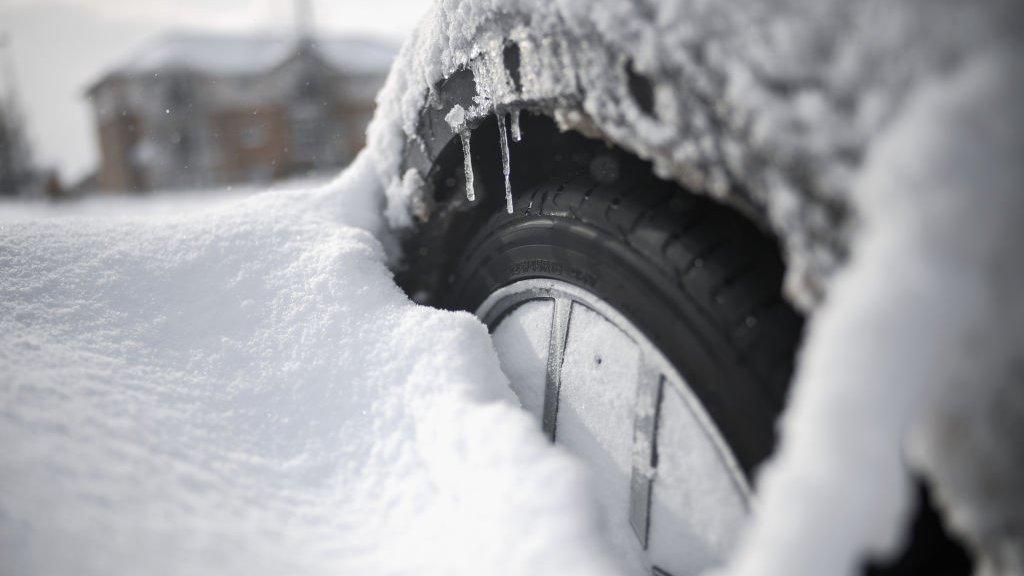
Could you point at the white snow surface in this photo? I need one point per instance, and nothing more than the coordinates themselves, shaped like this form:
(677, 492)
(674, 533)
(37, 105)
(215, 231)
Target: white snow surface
(244, 390)
(115, 205)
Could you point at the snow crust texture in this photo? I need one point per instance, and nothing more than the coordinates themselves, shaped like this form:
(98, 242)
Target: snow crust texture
(244, 390)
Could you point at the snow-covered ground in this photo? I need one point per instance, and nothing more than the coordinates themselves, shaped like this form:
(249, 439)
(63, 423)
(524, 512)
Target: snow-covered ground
(242, 389)
(114, 205)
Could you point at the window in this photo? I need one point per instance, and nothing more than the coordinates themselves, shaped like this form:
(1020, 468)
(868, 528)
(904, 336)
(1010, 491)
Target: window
(253, 136)
(308, 132)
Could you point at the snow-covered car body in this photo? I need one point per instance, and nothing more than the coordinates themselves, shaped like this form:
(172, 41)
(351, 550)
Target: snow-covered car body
(805, 116)
(771, 107)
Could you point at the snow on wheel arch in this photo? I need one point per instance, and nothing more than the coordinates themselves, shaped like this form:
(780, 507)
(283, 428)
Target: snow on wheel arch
(769, 107)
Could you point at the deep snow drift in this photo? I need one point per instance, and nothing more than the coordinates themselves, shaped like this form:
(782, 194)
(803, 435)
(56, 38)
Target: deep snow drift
(244, 390)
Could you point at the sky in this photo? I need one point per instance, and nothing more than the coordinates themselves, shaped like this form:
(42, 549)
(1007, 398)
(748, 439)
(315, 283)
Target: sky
(60, 46)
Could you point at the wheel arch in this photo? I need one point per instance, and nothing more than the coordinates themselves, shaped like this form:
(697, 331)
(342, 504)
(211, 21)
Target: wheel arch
(554, 130)
(530, 70)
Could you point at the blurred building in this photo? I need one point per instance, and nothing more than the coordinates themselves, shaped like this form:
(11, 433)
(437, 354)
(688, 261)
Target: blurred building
(192, 110)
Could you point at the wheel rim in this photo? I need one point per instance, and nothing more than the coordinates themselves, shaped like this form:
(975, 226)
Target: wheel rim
(672, 491)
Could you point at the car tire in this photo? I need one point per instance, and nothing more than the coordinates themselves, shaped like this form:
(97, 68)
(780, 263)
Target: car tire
(697, 278)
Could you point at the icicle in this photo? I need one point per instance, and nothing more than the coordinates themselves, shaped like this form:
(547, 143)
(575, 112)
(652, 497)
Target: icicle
(456, 118)
(516, 134)
(505, 163)
(467, 164)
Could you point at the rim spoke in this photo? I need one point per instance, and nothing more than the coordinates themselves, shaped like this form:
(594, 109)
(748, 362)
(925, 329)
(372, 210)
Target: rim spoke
(648, 401)
(560, 314)
(669, 483)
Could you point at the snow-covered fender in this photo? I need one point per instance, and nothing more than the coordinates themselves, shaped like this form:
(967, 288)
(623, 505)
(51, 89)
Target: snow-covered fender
(770, 107)
(671, 111)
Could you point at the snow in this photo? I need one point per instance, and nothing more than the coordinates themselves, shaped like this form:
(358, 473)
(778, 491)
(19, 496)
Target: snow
(108, 205)
(244, 390)
(521, 340)
(971, 427)
(694, 517)
(921, 365)
(696, 507)
(596, 403)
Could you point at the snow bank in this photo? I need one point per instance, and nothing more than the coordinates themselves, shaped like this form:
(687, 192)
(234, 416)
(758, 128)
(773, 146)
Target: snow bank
(244, 390)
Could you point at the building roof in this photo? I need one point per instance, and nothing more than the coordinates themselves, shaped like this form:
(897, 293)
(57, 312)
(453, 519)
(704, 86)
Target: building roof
(236, 54)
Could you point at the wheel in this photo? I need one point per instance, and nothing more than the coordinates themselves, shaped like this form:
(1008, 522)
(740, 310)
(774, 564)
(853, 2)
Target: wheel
(645, 329)
(642, 325)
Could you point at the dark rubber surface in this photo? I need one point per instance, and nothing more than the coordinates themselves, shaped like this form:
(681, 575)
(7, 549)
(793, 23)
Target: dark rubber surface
(698, 279)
